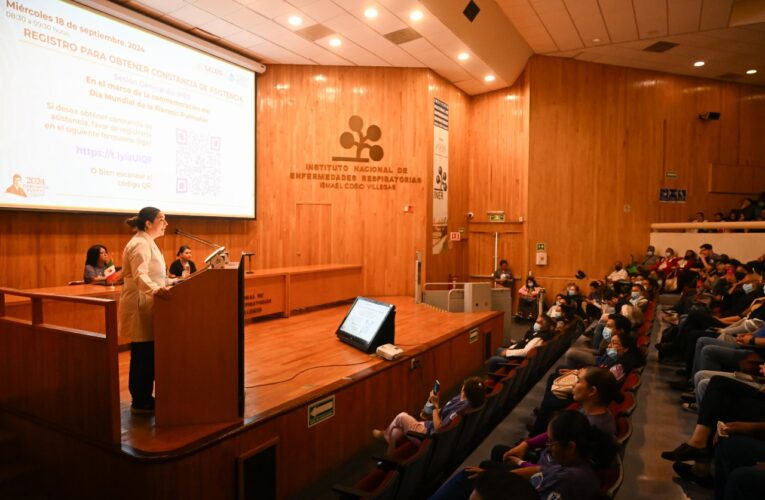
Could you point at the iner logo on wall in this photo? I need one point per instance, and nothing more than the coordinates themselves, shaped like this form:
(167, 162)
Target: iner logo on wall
(359, 140)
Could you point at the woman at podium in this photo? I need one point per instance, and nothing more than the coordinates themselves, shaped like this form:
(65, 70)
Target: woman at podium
(145, 278)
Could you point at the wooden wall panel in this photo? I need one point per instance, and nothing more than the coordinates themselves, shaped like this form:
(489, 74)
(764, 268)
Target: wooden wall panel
(300, 120)
(601, 142)
(452, 264)
(498, 172)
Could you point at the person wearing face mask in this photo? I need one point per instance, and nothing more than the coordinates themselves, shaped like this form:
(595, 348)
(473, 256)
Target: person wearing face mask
(649, 259)
(666, 265)
(587, 356)
(556, 310)
(620, 357)
(528, 297)
(637, 297)
(541, 331)
(618, 274)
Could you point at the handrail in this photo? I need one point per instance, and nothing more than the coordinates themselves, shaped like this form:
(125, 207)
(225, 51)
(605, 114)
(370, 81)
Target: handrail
(707, 225)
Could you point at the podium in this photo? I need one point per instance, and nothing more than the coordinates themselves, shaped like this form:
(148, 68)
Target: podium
(198, 339)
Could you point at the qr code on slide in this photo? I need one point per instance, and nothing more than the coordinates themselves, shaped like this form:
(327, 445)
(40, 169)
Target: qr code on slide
(197, 163)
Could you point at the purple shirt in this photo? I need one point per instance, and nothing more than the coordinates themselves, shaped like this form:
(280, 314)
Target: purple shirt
(448, 412)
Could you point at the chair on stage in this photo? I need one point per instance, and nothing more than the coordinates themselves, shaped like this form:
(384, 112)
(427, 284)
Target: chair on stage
(379, 484)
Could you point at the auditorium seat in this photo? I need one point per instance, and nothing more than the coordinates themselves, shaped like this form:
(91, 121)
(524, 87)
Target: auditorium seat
(379, 484)
(611, 478)
(626, 407)
(444, 447)
(484, 426)
(631, 382)
(623, 433)
(463, 446)
(410, 459)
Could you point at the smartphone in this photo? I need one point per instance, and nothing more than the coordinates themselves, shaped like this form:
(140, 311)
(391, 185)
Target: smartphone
(436, 387)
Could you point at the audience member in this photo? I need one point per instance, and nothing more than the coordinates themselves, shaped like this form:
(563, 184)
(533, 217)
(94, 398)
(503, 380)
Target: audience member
(528, 297)
(183, 266)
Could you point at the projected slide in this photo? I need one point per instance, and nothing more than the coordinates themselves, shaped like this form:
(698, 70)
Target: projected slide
(101, 116)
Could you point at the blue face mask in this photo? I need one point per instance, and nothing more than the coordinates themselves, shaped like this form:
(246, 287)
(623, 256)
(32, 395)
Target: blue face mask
(537, 327)
(748, 287)
(612, 353)
(607, 334)
(571, 293)
(635, 295)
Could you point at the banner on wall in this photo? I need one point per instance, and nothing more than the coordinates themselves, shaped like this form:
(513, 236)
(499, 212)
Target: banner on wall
(440, 176)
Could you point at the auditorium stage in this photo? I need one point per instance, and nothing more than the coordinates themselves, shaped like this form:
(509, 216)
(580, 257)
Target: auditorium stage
(295, 371)
(291, 361)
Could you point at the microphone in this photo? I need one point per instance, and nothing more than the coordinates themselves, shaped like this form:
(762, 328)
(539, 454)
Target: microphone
(217, 259)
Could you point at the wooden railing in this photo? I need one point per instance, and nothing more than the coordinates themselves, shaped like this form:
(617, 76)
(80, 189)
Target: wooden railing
(63, 376)
(685, 226)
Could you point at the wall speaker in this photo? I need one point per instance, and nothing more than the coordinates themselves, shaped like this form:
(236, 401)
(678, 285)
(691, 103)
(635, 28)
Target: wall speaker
(471, 11)
(709, 115)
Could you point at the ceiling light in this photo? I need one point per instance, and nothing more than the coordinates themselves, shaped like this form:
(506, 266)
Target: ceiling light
(282, 86)
(370, 13)
(596, 40)
(415, 15)
(320, 78)
(699, 64)
(751, 71)
(463, 56)
(295, 20)
(489, 78)
(335, 42)
(511, 97)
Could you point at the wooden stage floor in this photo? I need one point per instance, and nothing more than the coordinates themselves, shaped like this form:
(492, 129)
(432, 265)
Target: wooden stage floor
(289, 362)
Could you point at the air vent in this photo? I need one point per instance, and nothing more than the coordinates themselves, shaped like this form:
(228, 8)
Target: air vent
(660, 47)
(730, 76)
(314, 32)
(471, 11)
(402, 36)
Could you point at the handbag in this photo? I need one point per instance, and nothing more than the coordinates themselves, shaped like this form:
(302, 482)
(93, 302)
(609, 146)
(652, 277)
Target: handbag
(670, 284)
(563, 386)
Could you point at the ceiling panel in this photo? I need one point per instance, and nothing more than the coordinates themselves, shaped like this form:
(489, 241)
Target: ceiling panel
(163, 5)
(275, 53)
(193, 15)
(221, 28)
(588, 21)
(715, 14)
(246, 19)
(270, 8)
(651, 16)
(322, 10)
(217, 7)
(244, 39)
(620, 20)
(684, 16)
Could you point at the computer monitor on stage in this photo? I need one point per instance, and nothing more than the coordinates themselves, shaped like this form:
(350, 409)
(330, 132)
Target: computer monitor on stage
(368, 324)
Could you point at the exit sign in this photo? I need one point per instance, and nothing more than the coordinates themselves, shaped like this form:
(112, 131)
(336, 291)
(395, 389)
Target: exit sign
(496, 217)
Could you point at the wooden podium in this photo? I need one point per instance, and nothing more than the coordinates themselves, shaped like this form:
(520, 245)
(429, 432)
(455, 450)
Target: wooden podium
(199, 361)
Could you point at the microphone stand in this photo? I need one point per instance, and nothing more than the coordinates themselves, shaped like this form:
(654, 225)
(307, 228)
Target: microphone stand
(216, 260)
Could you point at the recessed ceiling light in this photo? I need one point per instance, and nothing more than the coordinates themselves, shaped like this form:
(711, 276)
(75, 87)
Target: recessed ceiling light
(335, 42)
(511, 97)
(489, 78)
(751, 71)
(415, 15)
(596, 40)
(699, 64)
(295, 20)
(371, 13)
(320, 78)
(463, 56)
